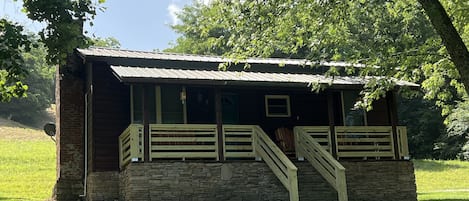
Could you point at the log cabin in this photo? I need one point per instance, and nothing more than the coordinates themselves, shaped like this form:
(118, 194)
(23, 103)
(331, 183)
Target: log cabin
(135, 125)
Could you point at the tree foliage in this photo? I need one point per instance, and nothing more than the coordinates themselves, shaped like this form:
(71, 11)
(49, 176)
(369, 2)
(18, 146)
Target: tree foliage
(12, 42)
(65, 19)
(395, 35)
(40, 94)
(64, 32)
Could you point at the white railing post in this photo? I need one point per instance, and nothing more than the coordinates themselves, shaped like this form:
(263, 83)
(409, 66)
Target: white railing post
(341, 184)
(296, 132)
(293, 180)
(403, 143)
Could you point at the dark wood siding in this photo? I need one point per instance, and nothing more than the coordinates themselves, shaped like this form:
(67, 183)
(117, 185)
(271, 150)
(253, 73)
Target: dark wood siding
(111, 110)
(379, 116)
(307, 108)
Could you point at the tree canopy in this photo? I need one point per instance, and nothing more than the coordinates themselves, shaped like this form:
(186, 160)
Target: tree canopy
(12, 71)
(412, 40)
(64, 32)
(395, 35)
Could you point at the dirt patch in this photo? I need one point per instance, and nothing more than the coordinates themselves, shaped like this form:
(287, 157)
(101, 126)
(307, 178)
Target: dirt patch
(11, 130)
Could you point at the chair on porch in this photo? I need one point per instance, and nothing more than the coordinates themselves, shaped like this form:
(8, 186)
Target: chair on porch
(286, 141)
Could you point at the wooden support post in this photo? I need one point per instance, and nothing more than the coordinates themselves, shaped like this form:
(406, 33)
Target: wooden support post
(219, 120)
(330, 109)
(146, 127)
(392, 108)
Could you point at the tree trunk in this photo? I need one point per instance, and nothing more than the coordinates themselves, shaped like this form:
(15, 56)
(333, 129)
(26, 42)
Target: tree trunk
(451, 38)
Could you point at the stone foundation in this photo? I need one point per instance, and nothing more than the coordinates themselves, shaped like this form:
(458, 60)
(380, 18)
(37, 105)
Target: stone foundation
(199, 181)
(103, 186)
(380, 180)
(251, 181)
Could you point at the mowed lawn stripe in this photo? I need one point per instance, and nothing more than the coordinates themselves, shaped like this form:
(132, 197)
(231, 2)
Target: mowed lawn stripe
(442, 180)
(27, 169)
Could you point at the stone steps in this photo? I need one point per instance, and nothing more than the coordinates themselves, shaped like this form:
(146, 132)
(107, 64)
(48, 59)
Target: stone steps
(311, 185)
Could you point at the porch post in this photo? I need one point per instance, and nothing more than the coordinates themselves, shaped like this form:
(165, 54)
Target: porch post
(219, 119)
(330, 110)
(392, 108)
(146, 127)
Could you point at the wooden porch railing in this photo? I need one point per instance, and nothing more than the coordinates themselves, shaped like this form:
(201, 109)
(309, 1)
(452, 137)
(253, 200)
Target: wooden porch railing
(364, 142)
(278, 162)
(131, 145)
(183, 141)
(330, 169)
(238, 141)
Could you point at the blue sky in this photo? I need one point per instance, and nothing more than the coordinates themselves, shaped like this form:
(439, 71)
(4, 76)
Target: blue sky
(138, 25)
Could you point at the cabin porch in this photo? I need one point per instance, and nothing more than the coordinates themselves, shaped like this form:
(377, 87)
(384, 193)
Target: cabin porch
(324, 147)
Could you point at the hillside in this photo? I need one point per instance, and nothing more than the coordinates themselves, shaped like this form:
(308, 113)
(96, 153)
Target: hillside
(10, 130)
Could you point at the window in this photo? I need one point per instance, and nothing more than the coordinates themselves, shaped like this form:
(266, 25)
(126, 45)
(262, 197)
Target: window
(137, 95)
(277, 106)
(172, 109)
(352, 116)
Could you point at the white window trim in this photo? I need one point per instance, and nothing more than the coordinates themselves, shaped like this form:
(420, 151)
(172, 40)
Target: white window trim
(285, 97)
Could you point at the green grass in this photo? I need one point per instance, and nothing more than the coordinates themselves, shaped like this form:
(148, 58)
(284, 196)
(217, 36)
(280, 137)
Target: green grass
(442, 180)
(27, 164)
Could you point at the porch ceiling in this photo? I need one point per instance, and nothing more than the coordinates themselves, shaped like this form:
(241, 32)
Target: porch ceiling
(214, 77)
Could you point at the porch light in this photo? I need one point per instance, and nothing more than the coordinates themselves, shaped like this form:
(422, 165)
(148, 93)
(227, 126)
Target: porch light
(134, 159)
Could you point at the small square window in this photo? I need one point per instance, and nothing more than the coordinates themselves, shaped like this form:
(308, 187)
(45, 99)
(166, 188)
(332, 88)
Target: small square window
(277, 106)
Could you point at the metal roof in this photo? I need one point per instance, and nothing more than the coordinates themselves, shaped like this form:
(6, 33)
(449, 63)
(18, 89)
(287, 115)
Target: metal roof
(134, 74)
(119, 53)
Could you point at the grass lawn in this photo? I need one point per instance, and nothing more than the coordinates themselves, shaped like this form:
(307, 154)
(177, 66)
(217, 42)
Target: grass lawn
(27, 163)
(442, 180)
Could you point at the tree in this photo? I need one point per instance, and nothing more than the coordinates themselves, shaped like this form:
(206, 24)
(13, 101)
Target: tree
(40, 94)
(109, 42)
(64, 32)
(65, 19)
(450, 36)
(12, 71)
(394, 35)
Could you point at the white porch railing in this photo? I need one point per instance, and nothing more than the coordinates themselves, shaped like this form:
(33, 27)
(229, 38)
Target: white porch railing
(239, 142)
(330, 169)
(131, 145)
(183, 141)
(188, 141)
(364, 142)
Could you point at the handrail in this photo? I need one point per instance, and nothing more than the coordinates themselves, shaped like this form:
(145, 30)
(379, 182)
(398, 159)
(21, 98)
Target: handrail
(330, 169)
(278, 162)
(131, 145)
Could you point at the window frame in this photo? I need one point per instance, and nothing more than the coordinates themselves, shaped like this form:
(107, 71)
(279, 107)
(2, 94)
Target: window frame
(282, 97)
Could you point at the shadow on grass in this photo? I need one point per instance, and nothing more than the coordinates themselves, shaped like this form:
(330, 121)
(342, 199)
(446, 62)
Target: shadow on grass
(434, 166)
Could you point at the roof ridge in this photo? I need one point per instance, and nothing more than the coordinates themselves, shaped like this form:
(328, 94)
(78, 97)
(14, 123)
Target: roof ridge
(195, 55)
(101, 51)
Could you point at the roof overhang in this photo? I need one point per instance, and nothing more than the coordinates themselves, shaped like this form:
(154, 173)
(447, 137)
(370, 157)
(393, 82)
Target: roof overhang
(130, 74)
